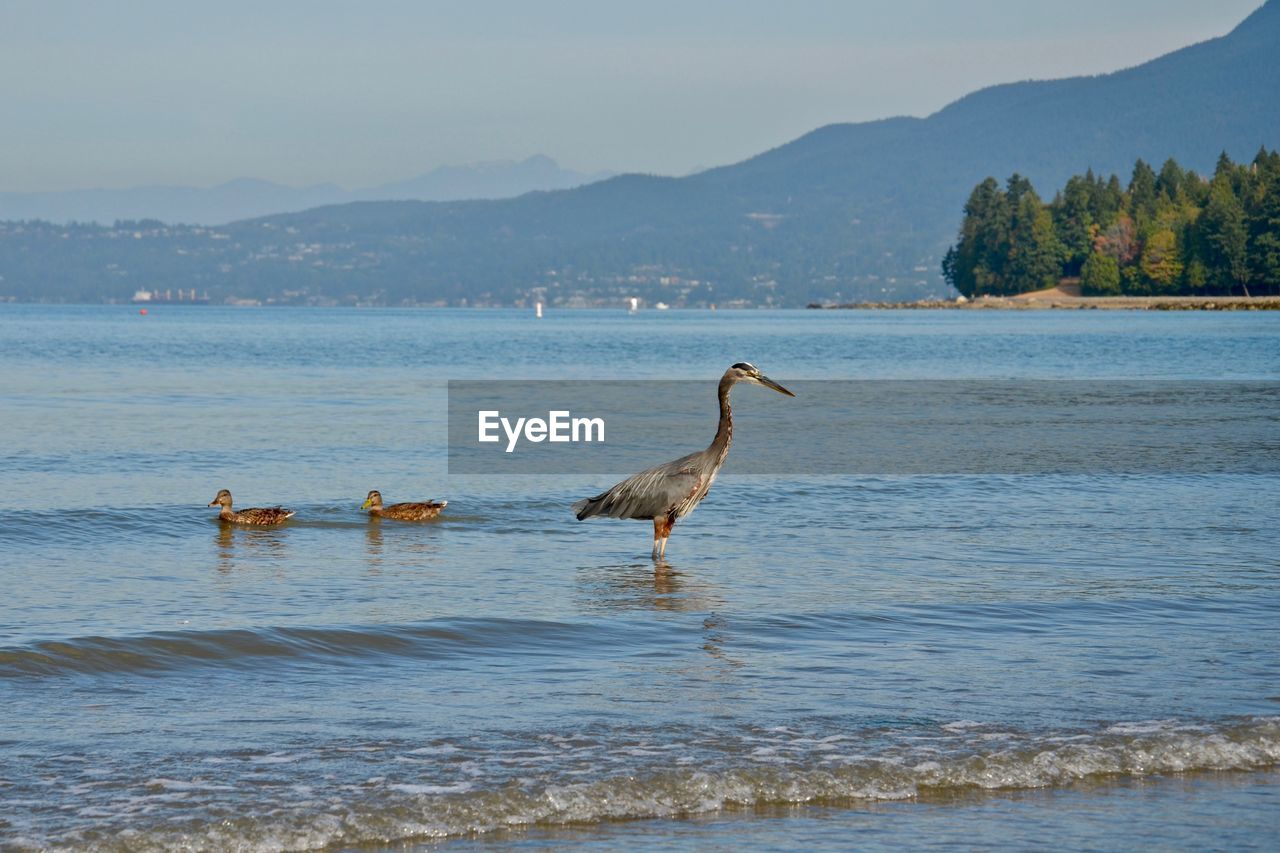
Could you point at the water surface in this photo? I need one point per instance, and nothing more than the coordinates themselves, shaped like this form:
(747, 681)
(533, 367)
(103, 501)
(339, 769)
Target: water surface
(826, 661)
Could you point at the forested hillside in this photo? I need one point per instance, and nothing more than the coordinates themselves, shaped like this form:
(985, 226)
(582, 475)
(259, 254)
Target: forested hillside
(1172, 233)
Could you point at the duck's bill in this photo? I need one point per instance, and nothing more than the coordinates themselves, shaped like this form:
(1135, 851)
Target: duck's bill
(769, 383)
(366, 504)
(213, 502)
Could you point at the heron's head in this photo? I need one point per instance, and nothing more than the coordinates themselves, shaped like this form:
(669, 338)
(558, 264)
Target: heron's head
(223, 499)
(373, 500)
(746, 372)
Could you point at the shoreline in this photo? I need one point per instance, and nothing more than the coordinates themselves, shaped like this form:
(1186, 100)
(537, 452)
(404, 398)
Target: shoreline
(1023, 302)
(1039, 302)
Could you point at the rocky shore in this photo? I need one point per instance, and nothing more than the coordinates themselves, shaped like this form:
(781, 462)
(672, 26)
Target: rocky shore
(1059, 301)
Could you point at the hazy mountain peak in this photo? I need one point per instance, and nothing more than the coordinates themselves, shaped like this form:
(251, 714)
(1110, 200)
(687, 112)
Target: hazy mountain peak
(246, 197)
(1266, 15)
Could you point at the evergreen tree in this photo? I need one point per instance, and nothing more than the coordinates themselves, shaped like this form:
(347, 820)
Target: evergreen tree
(1266, 164)
(954, 273)
(1102, 207)
(1170, 181)
(1195, 188)
(1264, 234)
(1226, 237)
(1110, 202)
(1035, 253)
(1100, 276)
(1016, 188)
(1074, 222)
(978, 257)
(1142, 193)
(1236, 175)
(1224, 168)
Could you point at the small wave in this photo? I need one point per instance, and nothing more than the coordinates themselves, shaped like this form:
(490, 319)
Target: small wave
(405, 811)
(443, 749)
(181, 785)
(180, 650)
(459, 788)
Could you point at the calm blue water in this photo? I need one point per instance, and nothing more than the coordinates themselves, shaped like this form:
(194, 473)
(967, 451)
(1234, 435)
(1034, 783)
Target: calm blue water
(826, 662)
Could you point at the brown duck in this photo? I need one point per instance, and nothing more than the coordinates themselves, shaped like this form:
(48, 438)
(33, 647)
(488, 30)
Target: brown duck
(402, 512)
(258, 516)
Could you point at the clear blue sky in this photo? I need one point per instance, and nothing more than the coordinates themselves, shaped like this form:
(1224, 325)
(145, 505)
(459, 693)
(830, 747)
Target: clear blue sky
(307, 91)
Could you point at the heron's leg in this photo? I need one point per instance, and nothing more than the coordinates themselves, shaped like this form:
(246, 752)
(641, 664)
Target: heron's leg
(657, 536)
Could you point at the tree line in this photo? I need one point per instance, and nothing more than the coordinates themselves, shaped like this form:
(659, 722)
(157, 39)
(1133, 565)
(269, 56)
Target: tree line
(1169, 233)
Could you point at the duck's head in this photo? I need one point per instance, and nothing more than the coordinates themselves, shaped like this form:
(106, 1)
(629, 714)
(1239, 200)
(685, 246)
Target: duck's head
(373, 500)
(745, 371)
(223, 499)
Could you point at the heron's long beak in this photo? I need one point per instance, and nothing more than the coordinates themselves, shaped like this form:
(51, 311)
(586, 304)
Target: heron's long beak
(368, 502)
(769, 383)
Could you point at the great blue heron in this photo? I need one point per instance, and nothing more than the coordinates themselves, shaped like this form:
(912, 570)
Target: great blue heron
(668, 492)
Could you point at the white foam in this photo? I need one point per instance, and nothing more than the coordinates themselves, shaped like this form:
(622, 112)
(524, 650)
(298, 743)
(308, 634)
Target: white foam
(961, 725)
(880, 768)
(186, 785)
(278, 758)
(459, 788)
(1141, 727)
(94, 811)
(443, 749)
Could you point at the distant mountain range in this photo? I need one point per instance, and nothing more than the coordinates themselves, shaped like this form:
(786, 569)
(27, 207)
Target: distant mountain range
(850, 211)
(246, 198)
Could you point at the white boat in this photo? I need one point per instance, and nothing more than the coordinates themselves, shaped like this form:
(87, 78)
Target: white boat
(661, 306)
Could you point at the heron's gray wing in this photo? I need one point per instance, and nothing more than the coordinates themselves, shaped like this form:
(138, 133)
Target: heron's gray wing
(653, 492)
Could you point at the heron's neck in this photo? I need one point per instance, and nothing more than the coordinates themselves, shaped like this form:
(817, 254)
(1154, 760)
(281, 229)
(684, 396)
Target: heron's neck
(724, 430)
